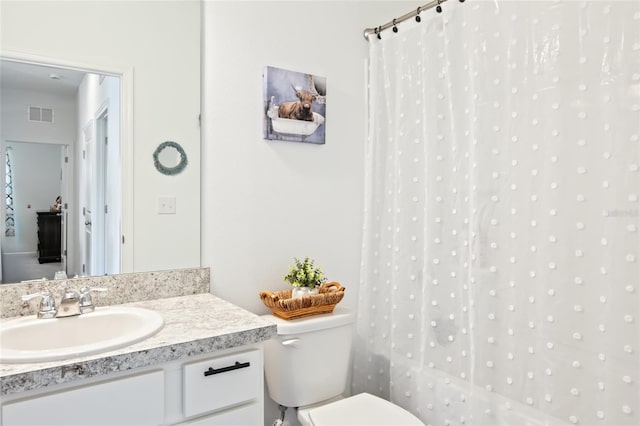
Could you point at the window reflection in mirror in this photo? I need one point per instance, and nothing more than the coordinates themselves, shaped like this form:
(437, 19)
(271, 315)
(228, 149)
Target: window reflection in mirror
(61, 128)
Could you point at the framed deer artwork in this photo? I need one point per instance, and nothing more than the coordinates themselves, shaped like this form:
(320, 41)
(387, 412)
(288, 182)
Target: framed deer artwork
(295, 106)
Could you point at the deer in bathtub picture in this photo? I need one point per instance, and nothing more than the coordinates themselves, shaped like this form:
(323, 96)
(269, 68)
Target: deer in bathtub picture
(294, 105)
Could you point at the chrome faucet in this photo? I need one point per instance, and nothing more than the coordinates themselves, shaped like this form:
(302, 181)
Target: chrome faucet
(71, 304)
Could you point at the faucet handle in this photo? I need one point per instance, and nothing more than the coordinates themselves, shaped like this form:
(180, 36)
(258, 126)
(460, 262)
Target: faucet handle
(86, 302)
(47, 308)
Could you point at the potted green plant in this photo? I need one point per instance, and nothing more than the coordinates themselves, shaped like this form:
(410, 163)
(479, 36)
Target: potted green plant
(305, 277)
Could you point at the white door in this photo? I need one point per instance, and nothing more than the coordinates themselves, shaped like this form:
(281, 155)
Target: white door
(64, 210)
(106, 218)
(101, 254)
(86, 201)
(101, 209)
(111, 188)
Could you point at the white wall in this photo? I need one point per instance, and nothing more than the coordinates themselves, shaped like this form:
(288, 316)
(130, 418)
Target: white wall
(265, 202)
(33, 191)
(160, 42)
(37, 158)
(17, 127)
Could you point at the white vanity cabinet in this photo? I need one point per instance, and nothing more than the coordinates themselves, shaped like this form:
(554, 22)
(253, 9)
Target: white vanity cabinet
(138, 399)
(221, 388)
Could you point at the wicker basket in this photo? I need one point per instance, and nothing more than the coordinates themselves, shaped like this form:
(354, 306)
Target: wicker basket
(285, 307)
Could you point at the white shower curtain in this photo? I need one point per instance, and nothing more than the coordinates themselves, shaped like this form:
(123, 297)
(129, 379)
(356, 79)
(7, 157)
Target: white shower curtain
(501, 255)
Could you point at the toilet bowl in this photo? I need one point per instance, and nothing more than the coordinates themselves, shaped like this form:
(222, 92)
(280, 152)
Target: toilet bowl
(306, 366)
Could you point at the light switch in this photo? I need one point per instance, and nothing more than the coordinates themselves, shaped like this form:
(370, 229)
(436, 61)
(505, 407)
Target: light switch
(167, 205)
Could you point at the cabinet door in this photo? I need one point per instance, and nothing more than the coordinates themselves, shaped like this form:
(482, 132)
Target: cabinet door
(137, 400)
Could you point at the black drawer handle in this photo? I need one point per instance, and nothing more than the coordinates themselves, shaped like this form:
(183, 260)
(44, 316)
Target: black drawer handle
(237, 366)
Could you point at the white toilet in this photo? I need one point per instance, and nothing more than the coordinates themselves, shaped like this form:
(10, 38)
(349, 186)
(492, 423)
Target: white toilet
(306, 366)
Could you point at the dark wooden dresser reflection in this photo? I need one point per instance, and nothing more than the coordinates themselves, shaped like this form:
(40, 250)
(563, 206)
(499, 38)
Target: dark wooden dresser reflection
(49, 236)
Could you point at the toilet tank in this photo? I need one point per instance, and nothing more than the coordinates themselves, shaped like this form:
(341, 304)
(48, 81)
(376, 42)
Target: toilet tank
(308, 360)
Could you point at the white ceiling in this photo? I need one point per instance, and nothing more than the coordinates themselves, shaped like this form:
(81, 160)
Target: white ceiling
(25, 76)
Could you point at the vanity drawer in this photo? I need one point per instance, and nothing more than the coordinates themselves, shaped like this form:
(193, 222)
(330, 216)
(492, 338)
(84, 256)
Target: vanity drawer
(221, 382)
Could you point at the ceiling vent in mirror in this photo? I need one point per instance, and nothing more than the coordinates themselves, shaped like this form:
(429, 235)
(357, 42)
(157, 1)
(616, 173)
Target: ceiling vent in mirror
(40, 114)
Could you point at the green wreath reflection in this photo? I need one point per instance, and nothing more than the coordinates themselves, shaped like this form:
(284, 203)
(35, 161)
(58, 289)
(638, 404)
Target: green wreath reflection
(170, 170)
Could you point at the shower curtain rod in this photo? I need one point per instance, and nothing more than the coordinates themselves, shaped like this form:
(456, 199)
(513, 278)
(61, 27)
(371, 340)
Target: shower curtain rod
(416, 13)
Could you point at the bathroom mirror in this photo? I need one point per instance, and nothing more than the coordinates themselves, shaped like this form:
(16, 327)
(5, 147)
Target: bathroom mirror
(52, 220)
(169, 158)
(149, 69)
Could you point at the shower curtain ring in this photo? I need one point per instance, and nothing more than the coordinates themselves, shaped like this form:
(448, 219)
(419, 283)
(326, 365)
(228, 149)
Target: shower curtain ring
(438, 7)
(395, 29)
(378, 31)
(418, 19)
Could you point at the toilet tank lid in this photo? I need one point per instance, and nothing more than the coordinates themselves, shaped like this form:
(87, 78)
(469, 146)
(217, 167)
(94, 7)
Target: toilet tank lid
(339, 317)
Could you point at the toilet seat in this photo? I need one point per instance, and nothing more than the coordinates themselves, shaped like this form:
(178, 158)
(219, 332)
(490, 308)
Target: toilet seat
(362, 410)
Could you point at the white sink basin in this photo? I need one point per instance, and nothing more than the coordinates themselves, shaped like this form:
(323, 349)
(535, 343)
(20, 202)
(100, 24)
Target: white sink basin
(30, 339)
